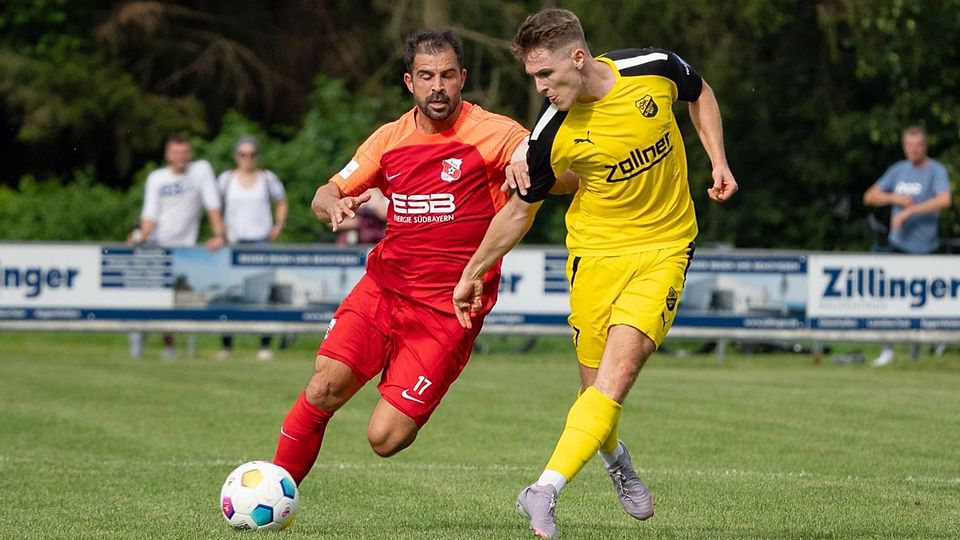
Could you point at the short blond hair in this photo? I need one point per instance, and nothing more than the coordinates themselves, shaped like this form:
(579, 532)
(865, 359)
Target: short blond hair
(549, 29)
(914, 130)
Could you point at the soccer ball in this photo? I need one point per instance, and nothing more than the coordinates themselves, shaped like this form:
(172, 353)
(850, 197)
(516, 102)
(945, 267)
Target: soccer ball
(259, 496)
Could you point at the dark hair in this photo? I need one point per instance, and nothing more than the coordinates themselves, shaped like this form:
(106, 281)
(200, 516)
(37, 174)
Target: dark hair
(432, 42)
(549, 29)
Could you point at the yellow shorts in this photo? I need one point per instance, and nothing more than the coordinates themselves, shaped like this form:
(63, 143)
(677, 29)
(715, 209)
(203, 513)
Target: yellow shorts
(641, 290)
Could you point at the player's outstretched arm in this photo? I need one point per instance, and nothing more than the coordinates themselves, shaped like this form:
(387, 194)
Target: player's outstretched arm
(330, 205)
(506, 229)
(705, 114)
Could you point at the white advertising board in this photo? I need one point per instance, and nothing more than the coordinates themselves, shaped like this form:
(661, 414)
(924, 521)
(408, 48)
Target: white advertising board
(884, 292)
(72, 276)
(729, 294)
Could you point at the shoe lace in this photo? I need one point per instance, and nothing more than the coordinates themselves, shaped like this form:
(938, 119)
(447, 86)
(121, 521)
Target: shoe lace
(620, 480)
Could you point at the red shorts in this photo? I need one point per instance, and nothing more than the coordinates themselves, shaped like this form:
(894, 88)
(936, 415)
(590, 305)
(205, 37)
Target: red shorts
(418, 350)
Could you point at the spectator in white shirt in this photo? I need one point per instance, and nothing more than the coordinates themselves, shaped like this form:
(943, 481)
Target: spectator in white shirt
(248, 194)
(171, 212)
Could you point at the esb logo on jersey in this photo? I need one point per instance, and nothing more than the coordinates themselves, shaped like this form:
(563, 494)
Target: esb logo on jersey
(434, 203)
(451, 170)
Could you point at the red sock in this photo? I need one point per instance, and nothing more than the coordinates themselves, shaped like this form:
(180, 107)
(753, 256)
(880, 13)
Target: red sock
(300, 438)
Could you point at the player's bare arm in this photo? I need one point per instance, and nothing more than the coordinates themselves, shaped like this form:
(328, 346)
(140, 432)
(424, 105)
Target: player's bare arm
(517, 175)
(330, 205)
(518, 179)
(705, 114)
(377, 205)
(506, 229)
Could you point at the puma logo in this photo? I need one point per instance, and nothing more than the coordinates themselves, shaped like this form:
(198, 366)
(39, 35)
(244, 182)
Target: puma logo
(585, 139)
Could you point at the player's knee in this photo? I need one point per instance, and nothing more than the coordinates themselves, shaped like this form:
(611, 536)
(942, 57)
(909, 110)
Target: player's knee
(329, 389)
(387, 442)
(323, 395)
(386, 449)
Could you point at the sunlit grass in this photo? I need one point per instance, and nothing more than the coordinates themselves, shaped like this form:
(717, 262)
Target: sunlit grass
(94, 445)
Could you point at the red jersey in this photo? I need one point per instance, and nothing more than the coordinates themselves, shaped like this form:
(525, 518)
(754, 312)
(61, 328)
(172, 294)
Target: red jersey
(443, 189)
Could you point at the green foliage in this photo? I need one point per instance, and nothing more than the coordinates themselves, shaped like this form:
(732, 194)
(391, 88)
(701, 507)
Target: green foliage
(69, 108)
(813, 94)
(75, 97)
(43, 26)
(80, 210)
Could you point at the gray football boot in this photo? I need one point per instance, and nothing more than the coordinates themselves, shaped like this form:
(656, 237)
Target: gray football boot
(634, 494)
(539, 503)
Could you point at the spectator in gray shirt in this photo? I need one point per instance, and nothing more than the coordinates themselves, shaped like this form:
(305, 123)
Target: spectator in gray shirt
(917, 190)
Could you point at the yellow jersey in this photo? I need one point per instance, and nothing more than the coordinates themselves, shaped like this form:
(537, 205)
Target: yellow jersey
(627, 149)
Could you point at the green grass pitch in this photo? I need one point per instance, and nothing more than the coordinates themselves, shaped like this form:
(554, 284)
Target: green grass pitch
(94, 445)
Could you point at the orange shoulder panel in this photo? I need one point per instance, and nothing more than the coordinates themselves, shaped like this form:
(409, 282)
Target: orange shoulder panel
(363, 172)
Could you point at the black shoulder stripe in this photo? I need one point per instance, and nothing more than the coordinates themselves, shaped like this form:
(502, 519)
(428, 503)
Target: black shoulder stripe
(650, 61)
(542, 177)
(548, 121)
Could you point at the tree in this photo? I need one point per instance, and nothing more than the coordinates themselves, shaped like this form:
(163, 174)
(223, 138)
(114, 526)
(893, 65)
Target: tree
(813, 94)
(67, 108)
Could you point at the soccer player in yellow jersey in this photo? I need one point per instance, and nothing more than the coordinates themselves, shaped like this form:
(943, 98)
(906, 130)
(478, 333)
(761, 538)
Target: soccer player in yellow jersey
(607, 131)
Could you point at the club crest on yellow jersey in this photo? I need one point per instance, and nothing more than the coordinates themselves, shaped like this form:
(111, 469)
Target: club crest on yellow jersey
(647, 106)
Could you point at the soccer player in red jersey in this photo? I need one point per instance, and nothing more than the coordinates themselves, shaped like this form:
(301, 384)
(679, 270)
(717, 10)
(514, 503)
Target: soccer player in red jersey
(441, 165)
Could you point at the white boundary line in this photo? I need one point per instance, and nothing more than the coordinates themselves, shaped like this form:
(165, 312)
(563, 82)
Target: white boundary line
(710, 473)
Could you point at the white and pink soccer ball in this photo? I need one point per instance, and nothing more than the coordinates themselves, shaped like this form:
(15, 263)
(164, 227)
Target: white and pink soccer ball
(259, 496)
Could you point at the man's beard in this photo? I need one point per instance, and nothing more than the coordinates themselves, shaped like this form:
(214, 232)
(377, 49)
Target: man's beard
(433, 114)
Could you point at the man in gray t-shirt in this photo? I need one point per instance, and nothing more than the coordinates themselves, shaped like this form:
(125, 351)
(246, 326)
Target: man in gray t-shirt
(917, 189)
